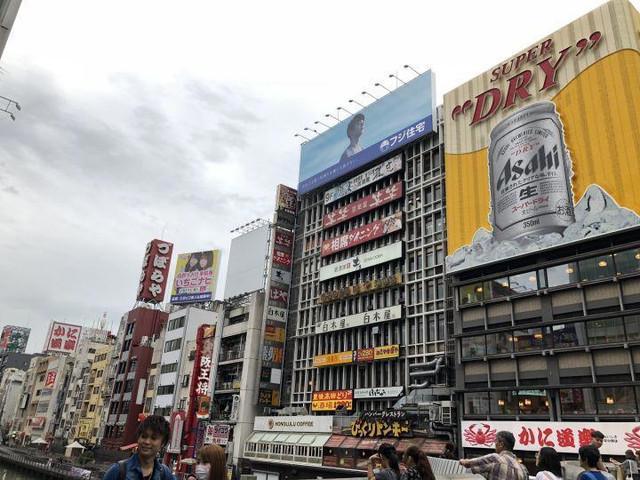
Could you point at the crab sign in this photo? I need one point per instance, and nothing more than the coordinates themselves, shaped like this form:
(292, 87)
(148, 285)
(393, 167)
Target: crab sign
(480, 434)
(633, 438)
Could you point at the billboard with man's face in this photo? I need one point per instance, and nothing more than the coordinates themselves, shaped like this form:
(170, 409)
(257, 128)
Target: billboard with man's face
(544, 148)
(394, 120)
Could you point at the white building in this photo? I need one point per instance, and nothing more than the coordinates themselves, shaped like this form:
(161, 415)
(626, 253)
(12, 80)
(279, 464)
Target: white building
(173, 374)
(10, 392)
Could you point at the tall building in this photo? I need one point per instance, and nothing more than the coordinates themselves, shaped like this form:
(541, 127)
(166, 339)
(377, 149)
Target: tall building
(11, 383)
(8, 13)
(127, 399)
(544, 253)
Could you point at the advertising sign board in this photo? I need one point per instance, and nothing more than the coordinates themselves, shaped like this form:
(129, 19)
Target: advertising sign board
(382, 424)
(286, 199)
(298, 423)
(364, 260)
(330, 400)
(216, 434)
(50, 379)
(62, 337)
(363, 179)
(155, 271)
(542, 149)
(364, 205)
(365, 233)
(401, 117)
(361, 355)
(565, 437)
(196, 277)
(377, 392)
(359, 288)
(358, 319)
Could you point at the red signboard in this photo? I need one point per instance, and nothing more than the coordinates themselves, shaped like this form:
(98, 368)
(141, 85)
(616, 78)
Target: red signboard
(282, 258)
(365, 233)
(284, 239)
(279, 295)
(50, 379)
(366, 204)
(365, 355)
(155, 271)
(63, 337)
(330, 400)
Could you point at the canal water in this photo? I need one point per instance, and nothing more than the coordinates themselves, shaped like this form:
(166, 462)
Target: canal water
(8, 473)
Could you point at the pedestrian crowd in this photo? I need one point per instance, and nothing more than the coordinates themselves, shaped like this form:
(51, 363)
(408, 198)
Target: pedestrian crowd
(504, 465)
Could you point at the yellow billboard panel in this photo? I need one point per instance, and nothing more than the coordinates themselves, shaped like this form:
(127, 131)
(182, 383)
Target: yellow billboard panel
(339, 358)
(387, 351)
(543, 149)
(196, 277)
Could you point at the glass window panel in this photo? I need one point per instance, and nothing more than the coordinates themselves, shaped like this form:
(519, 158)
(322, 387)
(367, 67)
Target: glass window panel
(503, 403)
(523, 282)
(605, 331)
(471, 293)
(596, 268)
(627, 261)
(533, 402)
(476, 403)
(562, 274)
(568, 335)
(528, 339)
(473, 347)
(498, 343)
(615, 400)
(577, 401)
(496, 288)
(632, 325)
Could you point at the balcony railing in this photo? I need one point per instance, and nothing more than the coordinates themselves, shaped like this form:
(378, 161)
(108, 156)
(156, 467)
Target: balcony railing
(232, 354)
(233, 385)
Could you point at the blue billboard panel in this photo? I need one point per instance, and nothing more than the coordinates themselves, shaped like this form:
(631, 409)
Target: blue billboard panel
(396, 119)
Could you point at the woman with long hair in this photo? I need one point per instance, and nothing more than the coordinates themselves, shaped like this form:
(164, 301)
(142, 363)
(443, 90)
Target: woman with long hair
(548, 463)
(417, 463)
(387, 463)
(212, 463)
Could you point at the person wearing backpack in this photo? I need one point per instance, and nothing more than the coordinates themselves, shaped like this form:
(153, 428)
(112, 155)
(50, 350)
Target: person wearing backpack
(548, 463)
(153, 434)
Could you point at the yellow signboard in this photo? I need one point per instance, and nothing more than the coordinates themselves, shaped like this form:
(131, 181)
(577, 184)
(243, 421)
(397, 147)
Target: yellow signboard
(339, 358)
(388, 351)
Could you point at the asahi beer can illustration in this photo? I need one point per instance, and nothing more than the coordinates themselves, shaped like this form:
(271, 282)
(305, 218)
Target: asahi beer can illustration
(530, 174)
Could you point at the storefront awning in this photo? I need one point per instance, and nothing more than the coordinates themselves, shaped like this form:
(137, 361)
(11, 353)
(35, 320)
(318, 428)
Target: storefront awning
(335, 441)
(433, 446)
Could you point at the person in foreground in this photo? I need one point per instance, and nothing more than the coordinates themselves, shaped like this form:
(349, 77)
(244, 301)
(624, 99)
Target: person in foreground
(418, 466)
(548, 463)
(589, 459)
(597, 438)
(153, 435)
(502, 465)
(212, 463)
(386, 461)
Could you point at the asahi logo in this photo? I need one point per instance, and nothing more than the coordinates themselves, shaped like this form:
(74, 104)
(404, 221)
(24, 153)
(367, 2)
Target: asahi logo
(541, 161)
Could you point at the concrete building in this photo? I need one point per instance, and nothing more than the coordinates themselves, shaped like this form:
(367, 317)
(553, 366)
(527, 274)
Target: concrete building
(141, 326)
(8, 13)
(93, 404)
(176, 362)
(11, 384)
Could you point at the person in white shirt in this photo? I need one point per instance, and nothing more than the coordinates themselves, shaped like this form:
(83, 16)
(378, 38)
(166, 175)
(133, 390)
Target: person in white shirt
(548, 463)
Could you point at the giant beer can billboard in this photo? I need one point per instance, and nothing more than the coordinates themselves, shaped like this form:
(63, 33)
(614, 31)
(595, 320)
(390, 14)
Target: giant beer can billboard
(543, 149)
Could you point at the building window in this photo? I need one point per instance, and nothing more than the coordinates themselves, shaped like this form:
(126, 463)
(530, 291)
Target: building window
(562, 274)
(503, 403)
(471, 293)
(604, 331)
(166, 389)
(169, 367)
(175, 323)
(632, 326)
(173, 345)
(498, 343)
(523, 282)
(498, 287)
(596, 268)
(476, 403)
(473, 347)
(528, 340)
(567, 335)
(615, 400)
(128, 386)
(627, 261)
(533, 402)
(577, 401)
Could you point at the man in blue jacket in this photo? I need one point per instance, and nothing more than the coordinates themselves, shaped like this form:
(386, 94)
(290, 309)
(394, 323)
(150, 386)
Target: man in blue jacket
(153, 435)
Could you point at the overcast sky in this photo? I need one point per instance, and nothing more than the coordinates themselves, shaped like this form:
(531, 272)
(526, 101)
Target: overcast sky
(149, 118)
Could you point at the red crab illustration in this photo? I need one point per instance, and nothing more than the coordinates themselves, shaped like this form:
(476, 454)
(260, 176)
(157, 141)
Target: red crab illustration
(633, 438)
(480, 434)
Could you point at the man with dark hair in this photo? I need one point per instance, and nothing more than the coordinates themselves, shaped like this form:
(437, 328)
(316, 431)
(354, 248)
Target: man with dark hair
(502, 465)
(153, 435)
(597, 437)
(589, 459)
(354, 132)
